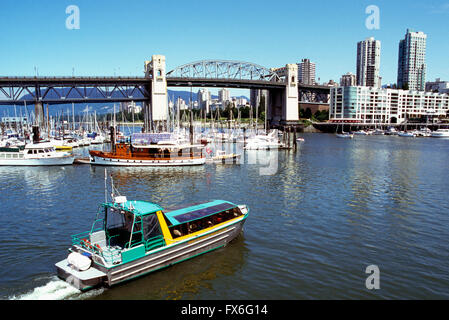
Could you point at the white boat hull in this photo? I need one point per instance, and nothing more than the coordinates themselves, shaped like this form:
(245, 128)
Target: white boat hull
(94, 160)
(60, 161)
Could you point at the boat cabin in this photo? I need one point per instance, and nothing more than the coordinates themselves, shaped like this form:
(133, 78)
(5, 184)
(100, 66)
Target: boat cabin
(126, 230)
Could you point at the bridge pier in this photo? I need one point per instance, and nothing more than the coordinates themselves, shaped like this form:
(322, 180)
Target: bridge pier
(157, 107)
(283, 103)
(39, 113)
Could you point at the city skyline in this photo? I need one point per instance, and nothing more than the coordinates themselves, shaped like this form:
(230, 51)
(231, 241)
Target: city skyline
(109, 43)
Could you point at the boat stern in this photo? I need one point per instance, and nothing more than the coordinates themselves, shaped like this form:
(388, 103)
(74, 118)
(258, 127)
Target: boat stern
(82, 280)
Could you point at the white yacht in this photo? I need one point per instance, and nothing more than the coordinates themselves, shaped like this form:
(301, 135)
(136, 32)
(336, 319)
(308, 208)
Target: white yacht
(440, 133)
(263, 142)
(34, 154)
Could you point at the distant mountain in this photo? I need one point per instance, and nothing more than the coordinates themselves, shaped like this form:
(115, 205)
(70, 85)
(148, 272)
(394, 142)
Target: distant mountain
(81, 108)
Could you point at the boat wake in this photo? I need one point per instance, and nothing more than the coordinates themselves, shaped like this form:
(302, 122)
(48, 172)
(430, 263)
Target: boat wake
(56, 289)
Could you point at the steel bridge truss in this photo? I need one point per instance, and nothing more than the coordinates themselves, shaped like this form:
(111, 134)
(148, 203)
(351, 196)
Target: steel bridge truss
(224, 69)
(68, 90)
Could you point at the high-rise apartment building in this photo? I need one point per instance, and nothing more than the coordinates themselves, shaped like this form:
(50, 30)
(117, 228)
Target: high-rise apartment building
(204, 99)
(306, 72)
(368, 63)
(223, 96)
(412, 61)
(348, 80)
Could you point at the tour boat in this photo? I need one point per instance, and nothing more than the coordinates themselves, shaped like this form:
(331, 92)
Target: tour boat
(129, 239)
(34, 154)
(151, 149)
(440, 133)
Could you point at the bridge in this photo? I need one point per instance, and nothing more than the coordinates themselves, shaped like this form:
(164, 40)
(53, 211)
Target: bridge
(281, 84)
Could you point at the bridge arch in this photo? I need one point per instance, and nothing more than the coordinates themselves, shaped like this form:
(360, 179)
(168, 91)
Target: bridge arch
(224, 69)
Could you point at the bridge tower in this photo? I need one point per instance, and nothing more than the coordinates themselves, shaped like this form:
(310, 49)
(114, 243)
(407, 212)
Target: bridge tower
(156, 110)
(283, 103)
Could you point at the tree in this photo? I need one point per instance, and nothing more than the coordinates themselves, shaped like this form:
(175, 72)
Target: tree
(308, 113)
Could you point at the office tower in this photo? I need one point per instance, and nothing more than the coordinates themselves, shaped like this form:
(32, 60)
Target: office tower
(368, 63)
(306, 72)
(412, 61)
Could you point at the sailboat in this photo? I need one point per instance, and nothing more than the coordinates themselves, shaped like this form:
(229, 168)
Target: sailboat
(343, 134)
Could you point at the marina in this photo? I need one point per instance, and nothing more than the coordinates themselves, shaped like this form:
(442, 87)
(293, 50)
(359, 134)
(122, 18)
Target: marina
(375, 201)
(154, 152)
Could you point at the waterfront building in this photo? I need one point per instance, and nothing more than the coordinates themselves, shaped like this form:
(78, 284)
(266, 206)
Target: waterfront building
(412, 61)
(438, 86)
(368, 63)
(306, 72)
(348, 80)
(384, 106)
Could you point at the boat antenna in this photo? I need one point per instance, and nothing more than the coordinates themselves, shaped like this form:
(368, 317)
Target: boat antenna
(105, 186)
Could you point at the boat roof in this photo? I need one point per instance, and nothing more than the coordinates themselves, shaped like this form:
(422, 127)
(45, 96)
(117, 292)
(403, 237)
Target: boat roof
(136, 207)
(198, 211)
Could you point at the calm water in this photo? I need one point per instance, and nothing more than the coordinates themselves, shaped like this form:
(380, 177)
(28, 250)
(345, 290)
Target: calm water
(330, 210)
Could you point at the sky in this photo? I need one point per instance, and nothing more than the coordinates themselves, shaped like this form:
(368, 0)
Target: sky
(115, 37)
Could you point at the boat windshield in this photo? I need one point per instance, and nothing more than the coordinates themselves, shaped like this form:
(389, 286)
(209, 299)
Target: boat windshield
(124, 229)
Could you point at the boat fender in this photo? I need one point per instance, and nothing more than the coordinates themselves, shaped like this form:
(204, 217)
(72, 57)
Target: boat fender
(79, 261)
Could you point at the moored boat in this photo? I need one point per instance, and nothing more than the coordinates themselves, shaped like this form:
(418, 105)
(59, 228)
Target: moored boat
(129, 239)
(345, 135)
(406, 134)
(223, 157)
(35, 154)
(440, 133)
(151, 149)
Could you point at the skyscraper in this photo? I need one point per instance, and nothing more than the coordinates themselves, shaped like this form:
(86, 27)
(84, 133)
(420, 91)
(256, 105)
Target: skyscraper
(368, 63)
(306, 72)
(412, 61)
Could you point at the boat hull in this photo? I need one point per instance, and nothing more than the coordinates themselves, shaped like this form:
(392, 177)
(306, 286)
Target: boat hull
(153, 260)
(95, 160)
(60, 161)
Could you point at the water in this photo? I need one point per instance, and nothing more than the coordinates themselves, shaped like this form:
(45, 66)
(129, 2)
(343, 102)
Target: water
(330, 210)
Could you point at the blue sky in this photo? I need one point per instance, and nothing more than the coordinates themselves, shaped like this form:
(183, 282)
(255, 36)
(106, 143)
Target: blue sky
(115, 37)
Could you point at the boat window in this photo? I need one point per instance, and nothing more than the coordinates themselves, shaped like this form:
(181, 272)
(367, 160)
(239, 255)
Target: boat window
(41, 151)
(204, 223)
(30, 151)
(118, 227)
(197, 214)
(150, 227)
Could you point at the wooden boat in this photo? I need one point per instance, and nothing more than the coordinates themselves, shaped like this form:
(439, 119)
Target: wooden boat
(151, 149)
(129, 239)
